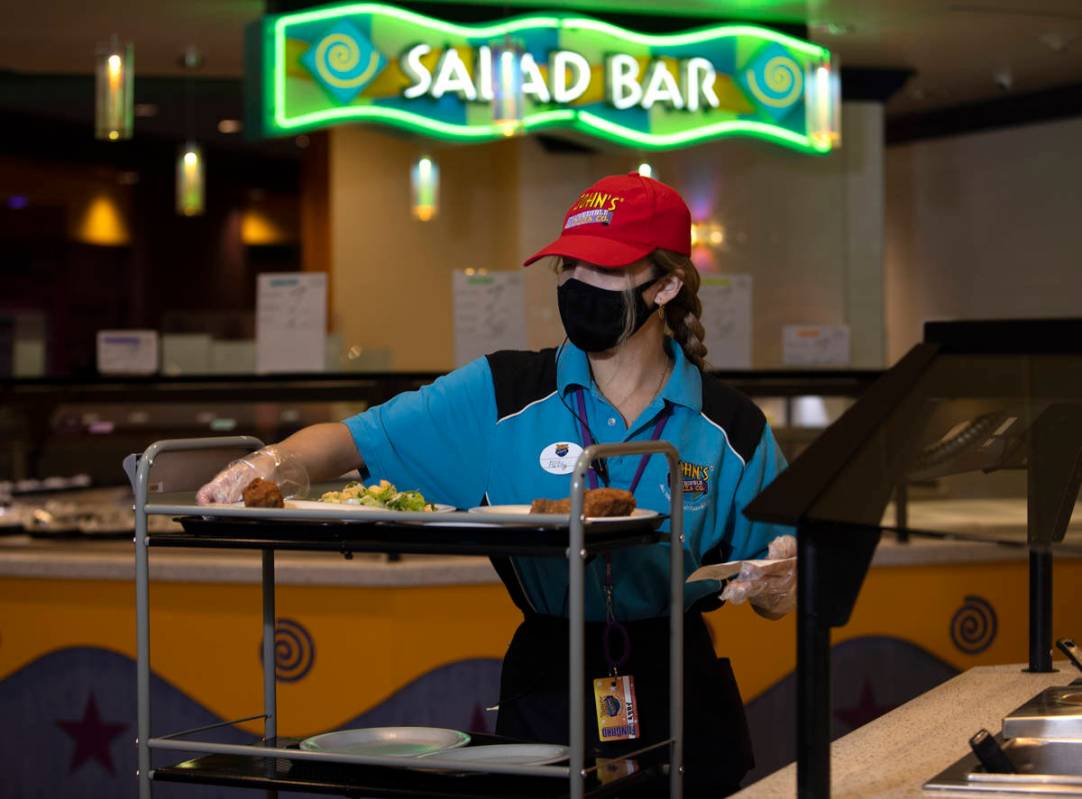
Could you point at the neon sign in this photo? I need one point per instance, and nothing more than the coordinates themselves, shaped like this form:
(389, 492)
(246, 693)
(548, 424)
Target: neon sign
(376, 63)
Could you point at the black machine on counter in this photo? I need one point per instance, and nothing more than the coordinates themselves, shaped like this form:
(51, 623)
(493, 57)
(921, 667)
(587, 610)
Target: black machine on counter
(989, 411)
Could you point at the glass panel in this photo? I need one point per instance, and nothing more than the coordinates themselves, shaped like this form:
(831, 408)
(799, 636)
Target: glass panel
(987, 447)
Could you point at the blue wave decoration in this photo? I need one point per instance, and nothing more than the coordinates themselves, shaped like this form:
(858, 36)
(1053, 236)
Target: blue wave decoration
(67, 722)
(870, 676)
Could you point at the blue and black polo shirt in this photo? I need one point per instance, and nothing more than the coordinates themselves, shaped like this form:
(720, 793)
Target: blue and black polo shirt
(500, 430)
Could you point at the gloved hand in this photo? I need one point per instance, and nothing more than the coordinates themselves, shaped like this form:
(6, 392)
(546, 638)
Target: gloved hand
(770, 588)
(274, 463)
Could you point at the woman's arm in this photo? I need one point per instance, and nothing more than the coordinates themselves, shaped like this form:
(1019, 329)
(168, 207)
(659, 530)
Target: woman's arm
(326, 450)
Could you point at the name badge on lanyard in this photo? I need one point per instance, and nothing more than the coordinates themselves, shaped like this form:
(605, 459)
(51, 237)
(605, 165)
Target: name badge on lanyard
(614, 695)
(617, 709)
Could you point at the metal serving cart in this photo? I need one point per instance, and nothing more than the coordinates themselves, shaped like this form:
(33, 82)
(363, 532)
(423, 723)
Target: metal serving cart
(167, 473)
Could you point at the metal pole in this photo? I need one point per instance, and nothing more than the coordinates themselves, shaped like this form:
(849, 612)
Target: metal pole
(813, 677)
(142, 632)
(138, 471)
(1040, 610)
(270, 703)
(676, 627)
(576, 612)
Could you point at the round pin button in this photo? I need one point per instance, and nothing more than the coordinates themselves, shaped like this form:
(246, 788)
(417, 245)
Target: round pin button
(612, 421)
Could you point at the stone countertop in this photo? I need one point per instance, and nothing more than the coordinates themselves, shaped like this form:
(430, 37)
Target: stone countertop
(898, 752)
(24, 556)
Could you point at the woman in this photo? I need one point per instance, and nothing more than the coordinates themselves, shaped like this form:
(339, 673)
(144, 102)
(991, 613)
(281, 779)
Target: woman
(508, 428)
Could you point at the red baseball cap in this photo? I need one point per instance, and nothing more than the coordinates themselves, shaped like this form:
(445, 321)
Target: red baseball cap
(621, 219)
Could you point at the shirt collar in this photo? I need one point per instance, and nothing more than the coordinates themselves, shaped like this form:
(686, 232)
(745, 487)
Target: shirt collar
(684, 386)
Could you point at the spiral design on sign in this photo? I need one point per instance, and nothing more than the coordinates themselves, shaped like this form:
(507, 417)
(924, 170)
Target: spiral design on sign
(337, 58)
(294, 650)
(778, 82)
(974, 625)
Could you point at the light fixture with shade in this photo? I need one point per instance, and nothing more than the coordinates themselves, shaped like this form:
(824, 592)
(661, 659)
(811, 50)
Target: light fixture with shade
(114, 98)
(425, 188)
(190, 180)
(508, 100)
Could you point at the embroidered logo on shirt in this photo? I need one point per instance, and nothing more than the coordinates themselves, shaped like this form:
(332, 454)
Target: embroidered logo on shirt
(560, 457)
(696, 478)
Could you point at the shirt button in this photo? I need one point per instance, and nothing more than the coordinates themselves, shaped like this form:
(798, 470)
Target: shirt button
(612, 421)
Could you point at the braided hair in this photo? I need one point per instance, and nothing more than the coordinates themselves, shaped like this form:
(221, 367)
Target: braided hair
(682, 311)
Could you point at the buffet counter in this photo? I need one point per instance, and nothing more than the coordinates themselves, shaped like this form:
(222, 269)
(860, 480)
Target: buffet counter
(893, 756)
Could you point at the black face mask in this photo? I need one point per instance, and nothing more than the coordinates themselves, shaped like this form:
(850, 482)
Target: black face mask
(594, 318)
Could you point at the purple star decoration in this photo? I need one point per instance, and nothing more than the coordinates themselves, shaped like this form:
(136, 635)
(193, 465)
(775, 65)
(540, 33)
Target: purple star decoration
(92, 737)
(866, 709)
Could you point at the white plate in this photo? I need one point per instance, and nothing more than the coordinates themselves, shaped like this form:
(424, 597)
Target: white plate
(636, 515)
(306, 503)
(387, 741)
(507, 754)
(309, 504)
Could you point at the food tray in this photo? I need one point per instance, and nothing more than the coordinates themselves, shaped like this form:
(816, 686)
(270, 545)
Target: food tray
(486, 538)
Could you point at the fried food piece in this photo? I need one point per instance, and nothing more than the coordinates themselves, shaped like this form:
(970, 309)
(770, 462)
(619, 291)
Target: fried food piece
(550, 506)
(609, 502)
(262, 493)
(598, 502)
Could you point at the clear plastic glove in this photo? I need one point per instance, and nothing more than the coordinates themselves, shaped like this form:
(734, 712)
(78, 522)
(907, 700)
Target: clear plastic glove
(273, 463)
(771, 588)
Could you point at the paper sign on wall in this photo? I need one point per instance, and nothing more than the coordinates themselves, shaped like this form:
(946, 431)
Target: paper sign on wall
(291, 322)
(127, 352)
(815, 345)
(726, 316)
(489, 313)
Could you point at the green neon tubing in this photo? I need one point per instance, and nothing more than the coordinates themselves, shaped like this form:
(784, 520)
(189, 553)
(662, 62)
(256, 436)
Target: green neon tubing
(582, 120)
(693, 37)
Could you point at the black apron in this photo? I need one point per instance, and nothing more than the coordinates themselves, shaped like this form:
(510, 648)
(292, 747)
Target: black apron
(534, 696)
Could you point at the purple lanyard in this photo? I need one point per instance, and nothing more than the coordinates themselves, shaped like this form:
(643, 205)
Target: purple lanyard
(612, 626)
(588, 440)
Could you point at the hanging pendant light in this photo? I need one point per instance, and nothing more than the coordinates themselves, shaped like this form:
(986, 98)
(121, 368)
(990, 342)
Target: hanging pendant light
(508, 101)
(114, 98)
(190, 180)
(191, 169)
(425, 188)
(824, 106)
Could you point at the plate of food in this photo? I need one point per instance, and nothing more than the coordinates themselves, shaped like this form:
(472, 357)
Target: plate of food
(387, 741)
(380, 496)
(354, 496)
(600, 505)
